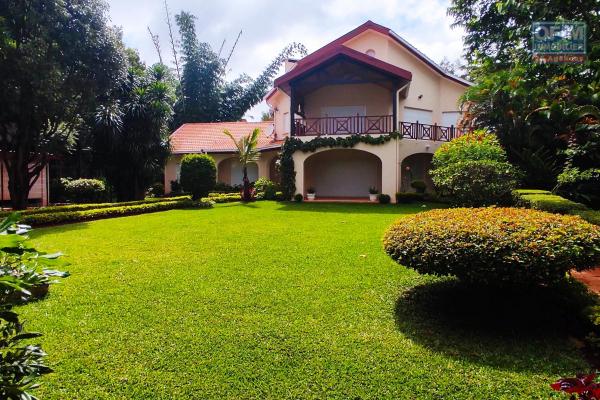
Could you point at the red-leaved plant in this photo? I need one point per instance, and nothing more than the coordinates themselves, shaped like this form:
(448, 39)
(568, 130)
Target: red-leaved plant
(582, 387)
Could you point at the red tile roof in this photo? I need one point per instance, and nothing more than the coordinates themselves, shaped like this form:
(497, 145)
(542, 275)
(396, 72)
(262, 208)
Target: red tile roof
(209, 137)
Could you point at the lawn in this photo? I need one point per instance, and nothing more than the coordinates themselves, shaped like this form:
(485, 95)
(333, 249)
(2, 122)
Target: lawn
(272, 300)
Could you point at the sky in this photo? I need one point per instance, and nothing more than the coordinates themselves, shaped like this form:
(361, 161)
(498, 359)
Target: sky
(268, 26)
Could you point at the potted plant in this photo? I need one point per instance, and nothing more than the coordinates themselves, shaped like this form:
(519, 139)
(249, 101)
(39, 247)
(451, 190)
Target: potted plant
(310, 194)
(373, 192)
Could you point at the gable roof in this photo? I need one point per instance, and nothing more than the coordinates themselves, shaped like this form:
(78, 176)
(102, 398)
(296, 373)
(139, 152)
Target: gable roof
(334, 52)
(208, 137)
(314, 57)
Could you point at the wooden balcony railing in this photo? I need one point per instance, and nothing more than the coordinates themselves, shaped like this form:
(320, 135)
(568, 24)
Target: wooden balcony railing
(378, 124)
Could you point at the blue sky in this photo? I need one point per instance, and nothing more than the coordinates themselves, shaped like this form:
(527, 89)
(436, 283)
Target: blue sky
(268, 26)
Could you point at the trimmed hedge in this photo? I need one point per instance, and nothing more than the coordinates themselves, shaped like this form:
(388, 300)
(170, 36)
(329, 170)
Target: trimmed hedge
(494, 246)
(223, 197)
(591, 216)
(83, 207)
(54, 218)
(409, 197)
(545, 201)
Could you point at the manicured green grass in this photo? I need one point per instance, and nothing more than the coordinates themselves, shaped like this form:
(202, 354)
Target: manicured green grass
(275, 301)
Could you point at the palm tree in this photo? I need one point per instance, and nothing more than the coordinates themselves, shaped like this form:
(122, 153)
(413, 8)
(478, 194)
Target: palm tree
(247, 153)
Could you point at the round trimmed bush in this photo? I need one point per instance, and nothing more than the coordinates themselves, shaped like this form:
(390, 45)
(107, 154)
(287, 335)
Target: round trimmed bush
(494, 246)
(84, 190)
(298, 198)
(473, 170)
(383, 198)
(198, 174)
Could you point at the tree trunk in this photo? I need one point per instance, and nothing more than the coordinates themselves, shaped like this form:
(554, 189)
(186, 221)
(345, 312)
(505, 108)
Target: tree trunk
(246, 195)
(18, 184)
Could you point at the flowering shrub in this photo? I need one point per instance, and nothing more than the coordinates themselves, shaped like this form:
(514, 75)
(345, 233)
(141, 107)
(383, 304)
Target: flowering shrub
(266, 187)
(494, 246)
(584, 386)
(473, 170)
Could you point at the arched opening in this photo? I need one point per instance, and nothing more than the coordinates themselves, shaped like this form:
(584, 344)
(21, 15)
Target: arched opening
(342, 173)
(274, 171)
(416, 167)
(230, 172)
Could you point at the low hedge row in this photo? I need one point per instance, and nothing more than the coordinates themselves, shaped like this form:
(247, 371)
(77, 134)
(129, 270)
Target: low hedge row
(544, 200)
(223, 197)
(84, 207)
(409, 197)
(53, 218)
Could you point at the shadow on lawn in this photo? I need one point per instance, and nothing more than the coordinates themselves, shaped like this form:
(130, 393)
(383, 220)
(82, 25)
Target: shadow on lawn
(527, 330)
(357, 208)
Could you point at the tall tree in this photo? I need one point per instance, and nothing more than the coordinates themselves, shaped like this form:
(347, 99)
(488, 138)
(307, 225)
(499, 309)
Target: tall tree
(535, 109)
(131, 138)
(57, 58)
(206, 95)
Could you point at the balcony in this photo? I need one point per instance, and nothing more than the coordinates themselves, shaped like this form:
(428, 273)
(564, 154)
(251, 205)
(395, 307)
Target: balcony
(373, 125)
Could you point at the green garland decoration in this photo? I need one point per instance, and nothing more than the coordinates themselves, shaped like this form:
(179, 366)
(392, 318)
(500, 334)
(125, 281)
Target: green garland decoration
(292, 144)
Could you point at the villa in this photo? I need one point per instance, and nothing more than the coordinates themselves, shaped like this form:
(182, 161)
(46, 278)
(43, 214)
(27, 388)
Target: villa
(369, 81)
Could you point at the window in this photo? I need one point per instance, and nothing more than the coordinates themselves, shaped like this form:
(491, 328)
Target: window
(418, 115)
(451, 118)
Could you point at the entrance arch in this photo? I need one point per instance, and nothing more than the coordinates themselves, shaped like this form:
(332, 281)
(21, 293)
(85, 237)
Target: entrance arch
(342, 173)
(416, 167)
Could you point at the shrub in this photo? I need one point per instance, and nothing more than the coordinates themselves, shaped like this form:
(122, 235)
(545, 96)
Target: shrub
(473, 170)
(373, 190)
(408, 197)
(591, 216)
(419, 186)
(545, 201)
(226, 188)
(223, 197)
(92, 206)
(473, 146)
(53, 218)
(384, 198)
(267, 187)
(156, 190)
(175, 187)
(198, 174)
(84, 190)
(298, 198)
(581, 186)
(476, 183)
(494, 246)
(23, 270)
(279, 196)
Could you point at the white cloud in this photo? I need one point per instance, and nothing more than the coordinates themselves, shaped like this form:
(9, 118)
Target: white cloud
(270, 25)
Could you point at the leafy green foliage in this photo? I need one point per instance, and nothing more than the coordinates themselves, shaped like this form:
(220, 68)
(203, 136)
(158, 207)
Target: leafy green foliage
(291, 145)
(298, 198)
(472, 171)
(540, 112)
(494, 246)
(419, 186)
(131, 135)
(206, 95)
(580, 185)
(198, 174)
(83, 207)
(267, 187)
(384, 198)
(408, 197)
(83, 190)
(222, 197)
(157, 189)
(247, 149)
(117, 210)
(546, 201)
(57, 59)
(23, 271)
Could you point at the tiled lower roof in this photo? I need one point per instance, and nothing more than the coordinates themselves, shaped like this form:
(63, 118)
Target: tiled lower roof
(208, 137)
